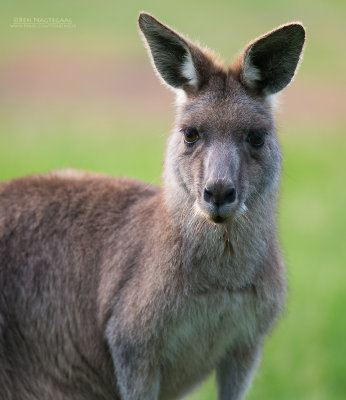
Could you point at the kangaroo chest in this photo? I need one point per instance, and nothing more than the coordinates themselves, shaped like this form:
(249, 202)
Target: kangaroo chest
(205, 329)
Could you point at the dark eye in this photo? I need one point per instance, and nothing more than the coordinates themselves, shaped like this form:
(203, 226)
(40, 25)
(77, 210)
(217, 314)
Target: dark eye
(190, 135)
(255, 139)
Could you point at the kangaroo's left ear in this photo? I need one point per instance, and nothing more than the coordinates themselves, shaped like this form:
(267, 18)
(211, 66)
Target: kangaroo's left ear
(269, 63)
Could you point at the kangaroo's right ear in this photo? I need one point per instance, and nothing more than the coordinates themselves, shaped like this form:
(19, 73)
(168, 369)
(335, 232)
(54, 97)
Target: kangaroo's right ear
(181, 64)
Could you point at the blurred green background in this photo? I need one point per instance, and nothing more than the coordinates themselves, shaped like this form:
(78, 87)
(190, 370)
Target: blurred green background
(83, 95)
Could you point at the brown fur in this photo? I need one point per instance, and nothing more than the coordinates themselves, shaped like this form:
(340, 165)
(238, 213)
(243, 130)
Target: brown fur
(116, 289)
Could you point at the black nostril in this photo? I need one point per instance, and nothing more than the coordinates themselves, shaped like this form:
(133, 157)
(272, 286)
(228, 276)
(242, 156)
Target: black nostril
(230, 195)
(208, 195)
(218, 194)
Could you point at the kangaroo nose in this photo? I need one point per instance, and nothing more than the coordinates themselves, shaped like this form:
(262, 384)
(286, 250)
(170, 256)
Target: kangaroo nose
(219, 192)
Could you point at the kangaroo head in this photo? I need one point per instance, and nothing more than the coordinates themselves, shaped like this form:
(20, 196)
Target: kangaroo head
(223, 153)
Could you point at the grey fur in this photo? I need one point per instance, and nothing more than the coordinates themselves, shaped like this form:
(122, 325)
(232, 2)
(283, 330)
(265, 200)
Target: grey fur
(116, 289)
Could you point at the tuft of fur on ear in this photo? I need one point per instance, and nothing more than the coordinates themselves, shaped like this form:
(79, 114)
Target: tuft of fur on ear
(180, 64)
(269, 63)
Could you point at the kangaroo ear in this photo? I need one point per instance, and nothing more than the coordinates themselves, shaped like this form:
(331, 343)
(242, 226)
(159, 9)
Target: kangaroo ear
(180, 64)
(269, 63)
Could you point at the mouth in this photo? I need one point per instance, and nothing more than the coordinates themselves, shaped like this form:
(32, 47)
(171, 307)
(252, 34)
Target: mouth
(221, 215)
(217, 215)
(217, 219)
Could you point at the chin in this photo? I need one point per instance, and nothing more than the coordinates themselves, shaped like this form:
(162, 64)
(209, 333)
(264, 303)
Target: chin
(212, 217)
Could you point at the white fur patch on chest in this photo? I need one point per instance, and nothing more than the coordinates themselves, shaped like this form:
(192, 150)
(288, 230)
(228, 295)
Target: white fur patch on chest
(208, 327)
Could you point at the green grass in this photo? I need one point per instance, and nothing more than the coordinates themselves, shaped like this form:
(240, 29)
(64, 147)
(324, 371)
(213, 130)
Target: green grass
(116, 147)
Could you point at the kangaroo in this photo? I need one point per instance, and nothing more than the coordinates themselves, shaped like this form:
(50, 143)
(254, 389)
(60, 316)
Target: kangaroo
(117, 289)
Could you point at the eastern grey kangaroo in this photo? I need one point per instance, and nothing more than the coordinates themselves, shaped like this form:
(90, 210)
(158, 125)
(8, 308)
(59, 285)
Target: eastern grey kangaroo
(117, 289)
